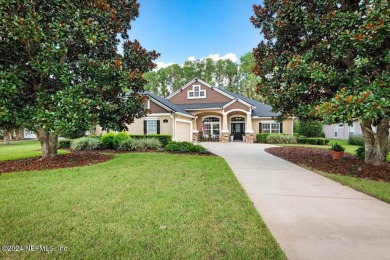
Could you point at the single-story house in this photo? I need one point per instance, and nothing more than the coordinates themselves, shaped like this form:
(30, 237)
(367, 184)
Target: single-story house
(201, 112)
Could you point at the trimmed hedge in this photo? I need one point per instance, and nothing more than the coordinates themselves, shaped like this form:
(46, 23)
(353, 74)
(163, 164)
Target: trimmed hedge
(356, 140)
(64, 144)
(140, 144)
(185, 147)
(281, 139)
(164, 139)
(261, 138)
(313, 141)
(85, 143)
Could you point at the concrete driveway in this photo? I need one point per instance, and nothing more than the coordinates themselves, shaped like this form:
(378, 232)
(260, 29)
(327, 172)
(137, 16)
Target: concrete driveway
(310, 216)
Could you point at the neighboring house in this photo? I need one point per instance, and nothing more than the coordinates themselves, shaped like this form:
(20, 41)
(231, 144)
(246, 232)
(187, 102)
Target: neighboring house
(343, 130)
(201, 112)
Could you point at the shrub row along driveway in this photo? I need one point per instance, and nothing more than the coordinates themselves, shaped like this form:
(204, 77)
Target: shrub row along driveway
(310, 216)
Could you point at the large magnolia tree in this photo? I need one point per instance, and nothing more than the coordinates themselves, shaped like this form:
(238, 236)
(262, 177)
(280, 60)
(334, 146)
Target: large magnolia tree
(59, 67)
(328, 60)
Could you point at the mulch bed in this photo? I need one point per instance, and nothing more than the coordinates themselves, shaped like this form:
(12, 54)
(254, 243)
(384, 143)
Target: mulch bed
(73, 159)
(320, 159)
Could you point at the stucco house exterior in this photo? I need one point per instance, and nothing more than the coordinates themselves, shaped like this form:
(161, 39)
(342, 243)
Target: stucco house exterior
(201, 112)
(343, 130)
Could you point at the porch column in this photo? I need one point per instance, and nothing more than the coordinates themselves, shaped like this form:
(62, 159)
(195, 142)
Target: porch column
(225, 130)
(195, 132)
(249, 134)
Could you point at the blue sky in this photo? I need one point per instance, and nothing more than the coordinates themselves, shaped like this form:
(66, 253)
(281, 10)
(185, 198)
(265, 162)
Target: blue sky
(180, 29)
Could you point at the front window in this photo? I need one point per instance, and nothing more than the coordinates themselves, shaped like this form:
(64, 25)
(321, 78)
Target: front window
(151, 126)
(196, 92)
(270, 127)
(211, 126)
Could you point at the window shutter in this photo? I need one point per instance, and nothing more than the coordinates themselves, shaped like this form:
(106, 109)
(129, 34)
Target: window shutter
(145, 127)
(158, 127)
(281, 128)
(260, 127)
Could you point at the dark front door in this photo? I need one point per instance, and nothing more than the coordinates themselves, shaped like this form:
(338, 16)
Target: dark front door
(238, 130)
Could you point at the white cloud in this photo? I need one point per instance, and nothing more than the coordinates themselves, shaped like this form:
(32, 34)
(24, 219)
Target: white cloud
(192, 58)
(161, 65)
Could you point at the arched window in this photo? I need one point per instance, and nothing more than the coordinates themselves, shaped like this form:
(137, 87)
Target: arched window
(211, 126)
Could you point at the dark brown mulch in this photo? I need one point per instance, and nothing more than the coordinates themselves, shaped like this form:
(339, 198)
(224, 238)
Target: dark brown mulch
(320, 159)
(73, 159)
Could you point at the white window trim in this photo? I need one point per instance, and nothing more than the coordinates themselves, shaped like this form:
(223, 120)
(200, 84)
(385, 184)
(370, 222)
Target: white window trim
(270, 129)
(147, 125)
(220, 122)
(193, 91)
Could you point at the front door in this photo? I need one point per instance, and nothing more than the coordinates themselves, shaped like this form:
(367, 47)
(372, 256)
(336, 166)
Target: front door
(238, 130)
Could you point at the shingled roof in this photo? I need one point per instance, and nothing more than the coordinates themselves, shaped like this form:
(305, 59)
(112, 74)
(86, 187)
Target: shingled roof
(167, 103)
(261, 110)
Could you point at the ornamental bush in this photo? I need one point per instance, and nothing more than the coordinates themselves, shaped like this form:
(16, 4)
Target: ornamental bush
(107, 140)
(164, 139)
(261, 137)
(64, 144)
(118, 138)
(281, 139)
(139, 144)
(185, 147)
(85, 143)
(311, 129)
(356, 140)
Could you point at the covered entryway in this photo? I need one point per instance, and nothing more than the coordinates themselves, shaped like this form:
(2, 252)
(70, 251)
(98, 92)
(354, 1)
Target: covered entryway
(183, 131)
(237, 128)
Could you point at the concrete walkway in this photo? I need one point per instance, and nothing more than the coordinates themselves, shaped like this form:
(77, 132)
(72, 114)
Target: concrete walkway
(310, 216)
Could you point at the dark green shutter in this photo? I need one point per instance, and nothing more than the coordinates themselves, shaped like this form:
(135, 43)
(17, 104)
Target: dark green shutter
(260, 127)
(158, 127)
(145, 127)
(281, 128)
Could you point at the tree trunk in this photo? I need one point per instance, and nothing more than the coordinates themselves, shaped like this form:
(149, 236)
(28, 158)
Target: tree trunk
(19, 134)
(48, 143)
(375, 143)
(6, 137)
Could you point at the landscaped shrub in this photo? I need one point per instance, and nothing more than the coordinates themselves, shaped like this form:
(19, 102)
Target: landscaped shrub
(356, 140)
(164, 139)
(360, 152)
(107, 140)
(281, 139)
(261, 138)
(85, 143)
(126, 145)
(152, 143)
(119, 137)
(185, 147)
(311, 129)
(64, 144)
(313, 141)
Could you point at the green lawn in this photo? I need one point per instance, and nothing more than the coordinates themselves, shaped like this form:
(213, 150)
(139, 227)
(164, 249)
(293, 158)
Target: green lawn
(21, 149)
(377, 189)
(116, 210)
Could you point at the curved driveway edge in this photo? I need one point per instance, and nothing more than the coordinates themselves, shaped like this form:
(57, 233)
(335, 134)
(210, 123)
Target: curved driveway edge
(311, 217)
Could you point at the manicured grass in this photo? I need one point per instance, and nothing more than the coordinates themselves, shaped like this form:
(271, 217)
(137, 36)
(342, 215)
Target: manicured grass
(377, 189)
(21, 149)
(116, 210)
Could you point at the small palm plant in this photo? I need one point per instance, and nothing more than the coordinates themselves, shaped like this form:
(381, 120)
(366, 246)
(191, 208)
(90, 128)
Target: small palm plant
(337, 147)
(337, 151)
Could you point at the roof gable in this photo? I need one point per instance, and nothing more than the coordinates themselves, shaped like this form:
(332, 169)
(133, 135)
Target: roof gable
(205, 94)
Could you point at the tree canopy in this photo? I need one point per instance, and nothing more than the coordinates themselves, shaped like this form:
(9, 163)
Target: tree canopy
(224, 73)
(59, 67)
(328, 60)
